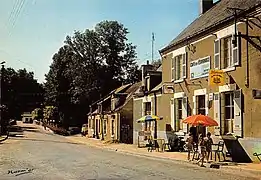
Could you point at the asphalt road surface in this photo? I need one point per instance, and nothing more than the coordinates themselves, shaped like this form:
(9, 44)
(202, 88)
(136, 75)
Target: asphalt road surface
(39, 155)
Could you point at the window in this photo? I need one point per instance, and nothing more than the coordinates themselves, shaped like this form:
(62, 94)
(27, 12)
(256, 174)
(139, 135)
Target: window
(178, 108)
(147, 108)
(228, 112)
(201, 105)
(216, 54)
(173, 69)
(179, 67)
(228, 62)
(112, 127)
(235, 53)
(105, 126)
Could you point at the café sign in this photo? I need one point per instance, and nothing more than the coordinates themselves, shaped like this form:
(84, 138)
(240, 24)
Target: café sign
(200, 68)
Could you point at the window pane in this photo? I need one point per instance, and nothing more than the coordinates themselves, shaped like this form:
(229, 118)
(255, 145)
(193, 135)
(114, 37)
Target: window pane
(235, 57)
(173, 62)
(228, 114)
(202, 111)
(201, 101)
(232, 112)
(217, 61)
(228, 99)
(180, 114)
(179, 103)
(216, 47)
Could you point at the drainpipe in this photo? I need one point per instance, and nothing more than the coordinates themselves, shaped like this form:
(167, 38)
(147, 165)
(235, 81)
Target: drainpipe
(247, 58)
(101, 114)
(155, 110)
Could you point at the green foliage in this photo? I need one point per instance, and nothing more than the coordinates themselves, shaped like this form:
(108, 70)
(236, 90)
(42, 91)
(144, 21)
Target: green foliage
(88, 66)
(37, 114)
(20, 92)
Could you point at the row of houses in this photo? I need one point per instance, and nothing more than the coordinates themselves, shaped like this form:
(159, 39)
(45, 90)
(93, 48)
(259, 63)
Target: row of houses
(225, 36)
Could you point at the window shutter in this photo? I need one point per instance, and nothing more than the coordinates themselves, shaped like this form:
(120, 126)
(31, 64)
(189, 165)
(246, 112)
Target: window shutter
(177, 126)
(217, 54)
(217, 113)
(185, 113)
(238, 129)
(235, 50)
(222, 113)
(172, 114)
(173, 64)
(184, 65)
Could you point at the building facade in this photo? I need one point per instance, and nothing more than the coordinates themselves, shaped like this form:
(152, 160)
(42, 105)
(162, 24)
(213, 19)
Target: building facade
(219, 40)
(112, 118)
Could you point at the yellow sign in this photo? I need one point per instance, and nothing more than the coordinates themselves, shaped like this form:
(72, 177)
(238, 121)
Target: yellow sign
(216, 77)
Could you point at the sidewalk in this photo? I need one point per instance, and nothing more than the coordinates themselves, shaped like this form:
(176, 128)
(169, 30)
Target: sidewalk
(177, 156)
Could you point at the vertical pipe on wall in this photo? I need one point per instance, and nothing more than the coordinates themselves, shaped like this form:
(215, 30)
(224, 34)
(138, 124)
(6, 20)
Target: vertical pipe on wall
(247, 57)
(155, 113)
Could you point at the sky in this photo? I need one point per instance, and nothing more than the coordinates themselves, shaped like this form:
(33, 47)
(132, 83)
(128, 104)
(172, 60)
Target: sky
(30, 37)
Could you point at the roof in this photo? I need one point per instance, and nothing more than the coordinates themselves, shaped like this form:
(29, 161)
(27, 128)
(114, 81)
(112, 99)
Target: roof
(159, 69)
(157, 88)
(218, 14)
(117, 90)
(131, 90)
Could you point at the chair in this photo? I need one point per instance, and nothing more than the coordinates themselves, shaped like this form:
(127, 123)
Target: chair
(219, 150)
(195, 152)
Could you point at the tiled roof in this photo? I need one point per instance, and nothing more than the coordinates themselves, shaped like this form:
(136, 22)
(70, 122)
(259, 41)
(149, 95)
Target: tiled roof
(131, 90)
(217, 14)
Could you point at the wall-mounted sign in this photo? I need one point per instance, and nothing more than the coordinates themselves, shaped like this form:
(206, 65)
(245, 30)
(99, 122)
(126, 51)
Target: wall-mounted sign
(200, 68)
(168, 88)
(216, 77)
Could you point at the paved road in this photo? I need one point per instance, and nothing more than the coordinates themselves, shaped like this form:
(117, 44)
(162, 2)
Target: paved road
(40, 155)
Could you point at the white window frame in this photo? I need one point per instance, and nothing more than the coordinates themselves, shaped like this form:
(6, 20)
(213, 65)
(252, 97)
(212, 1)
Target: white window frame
(233, 64)
(231, 106)
(237, 38)
(173, 69)
(217, 54)
(182, 68)
(230, 58)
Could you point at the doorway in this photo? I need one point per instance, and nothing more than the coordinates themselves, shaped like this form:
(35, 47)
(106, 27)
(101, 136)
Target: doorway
(201, 100)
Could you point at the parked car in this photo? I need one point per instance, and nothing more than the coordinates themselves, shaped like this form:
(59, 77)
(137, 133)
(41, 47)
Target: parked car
(74, 130)
(84, 130)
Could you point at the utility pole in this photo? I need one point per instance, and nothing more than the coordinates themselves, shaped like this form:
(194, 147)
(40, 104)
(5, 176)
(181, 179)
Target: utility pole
(152, 47)
(1, 105)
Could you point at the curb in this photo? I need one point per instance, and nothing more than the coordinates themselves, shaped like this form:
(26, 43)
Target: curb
(131, 153)
(159, 157)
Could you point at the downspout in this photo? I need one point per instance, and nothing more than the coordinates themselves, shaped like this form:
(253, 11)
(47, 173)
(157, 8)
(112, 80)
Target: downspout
(101, 114)
(155, 113)
(247, 56)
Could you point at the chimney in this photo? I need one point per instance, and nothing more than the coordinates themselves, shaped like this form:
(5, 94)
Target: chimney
(205, 5)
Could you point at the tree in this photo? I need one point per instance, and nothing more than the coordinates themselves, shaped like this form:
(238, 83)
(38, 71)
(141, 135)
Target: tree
(88, 66)
(20, 92)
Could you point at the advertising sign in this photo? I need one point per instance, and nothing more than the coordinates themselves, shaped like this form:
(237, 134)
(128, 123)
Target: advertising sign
(200, 68)
(216, 77)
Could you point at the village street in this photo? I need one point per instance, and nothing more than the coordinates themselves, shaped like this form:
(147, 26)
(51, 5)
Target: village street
(42, 155)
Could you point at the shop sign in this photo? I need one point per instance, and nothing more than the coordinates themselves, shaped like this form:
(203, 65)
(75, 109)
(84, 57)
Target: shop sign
(216, 77)
(200, 68)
